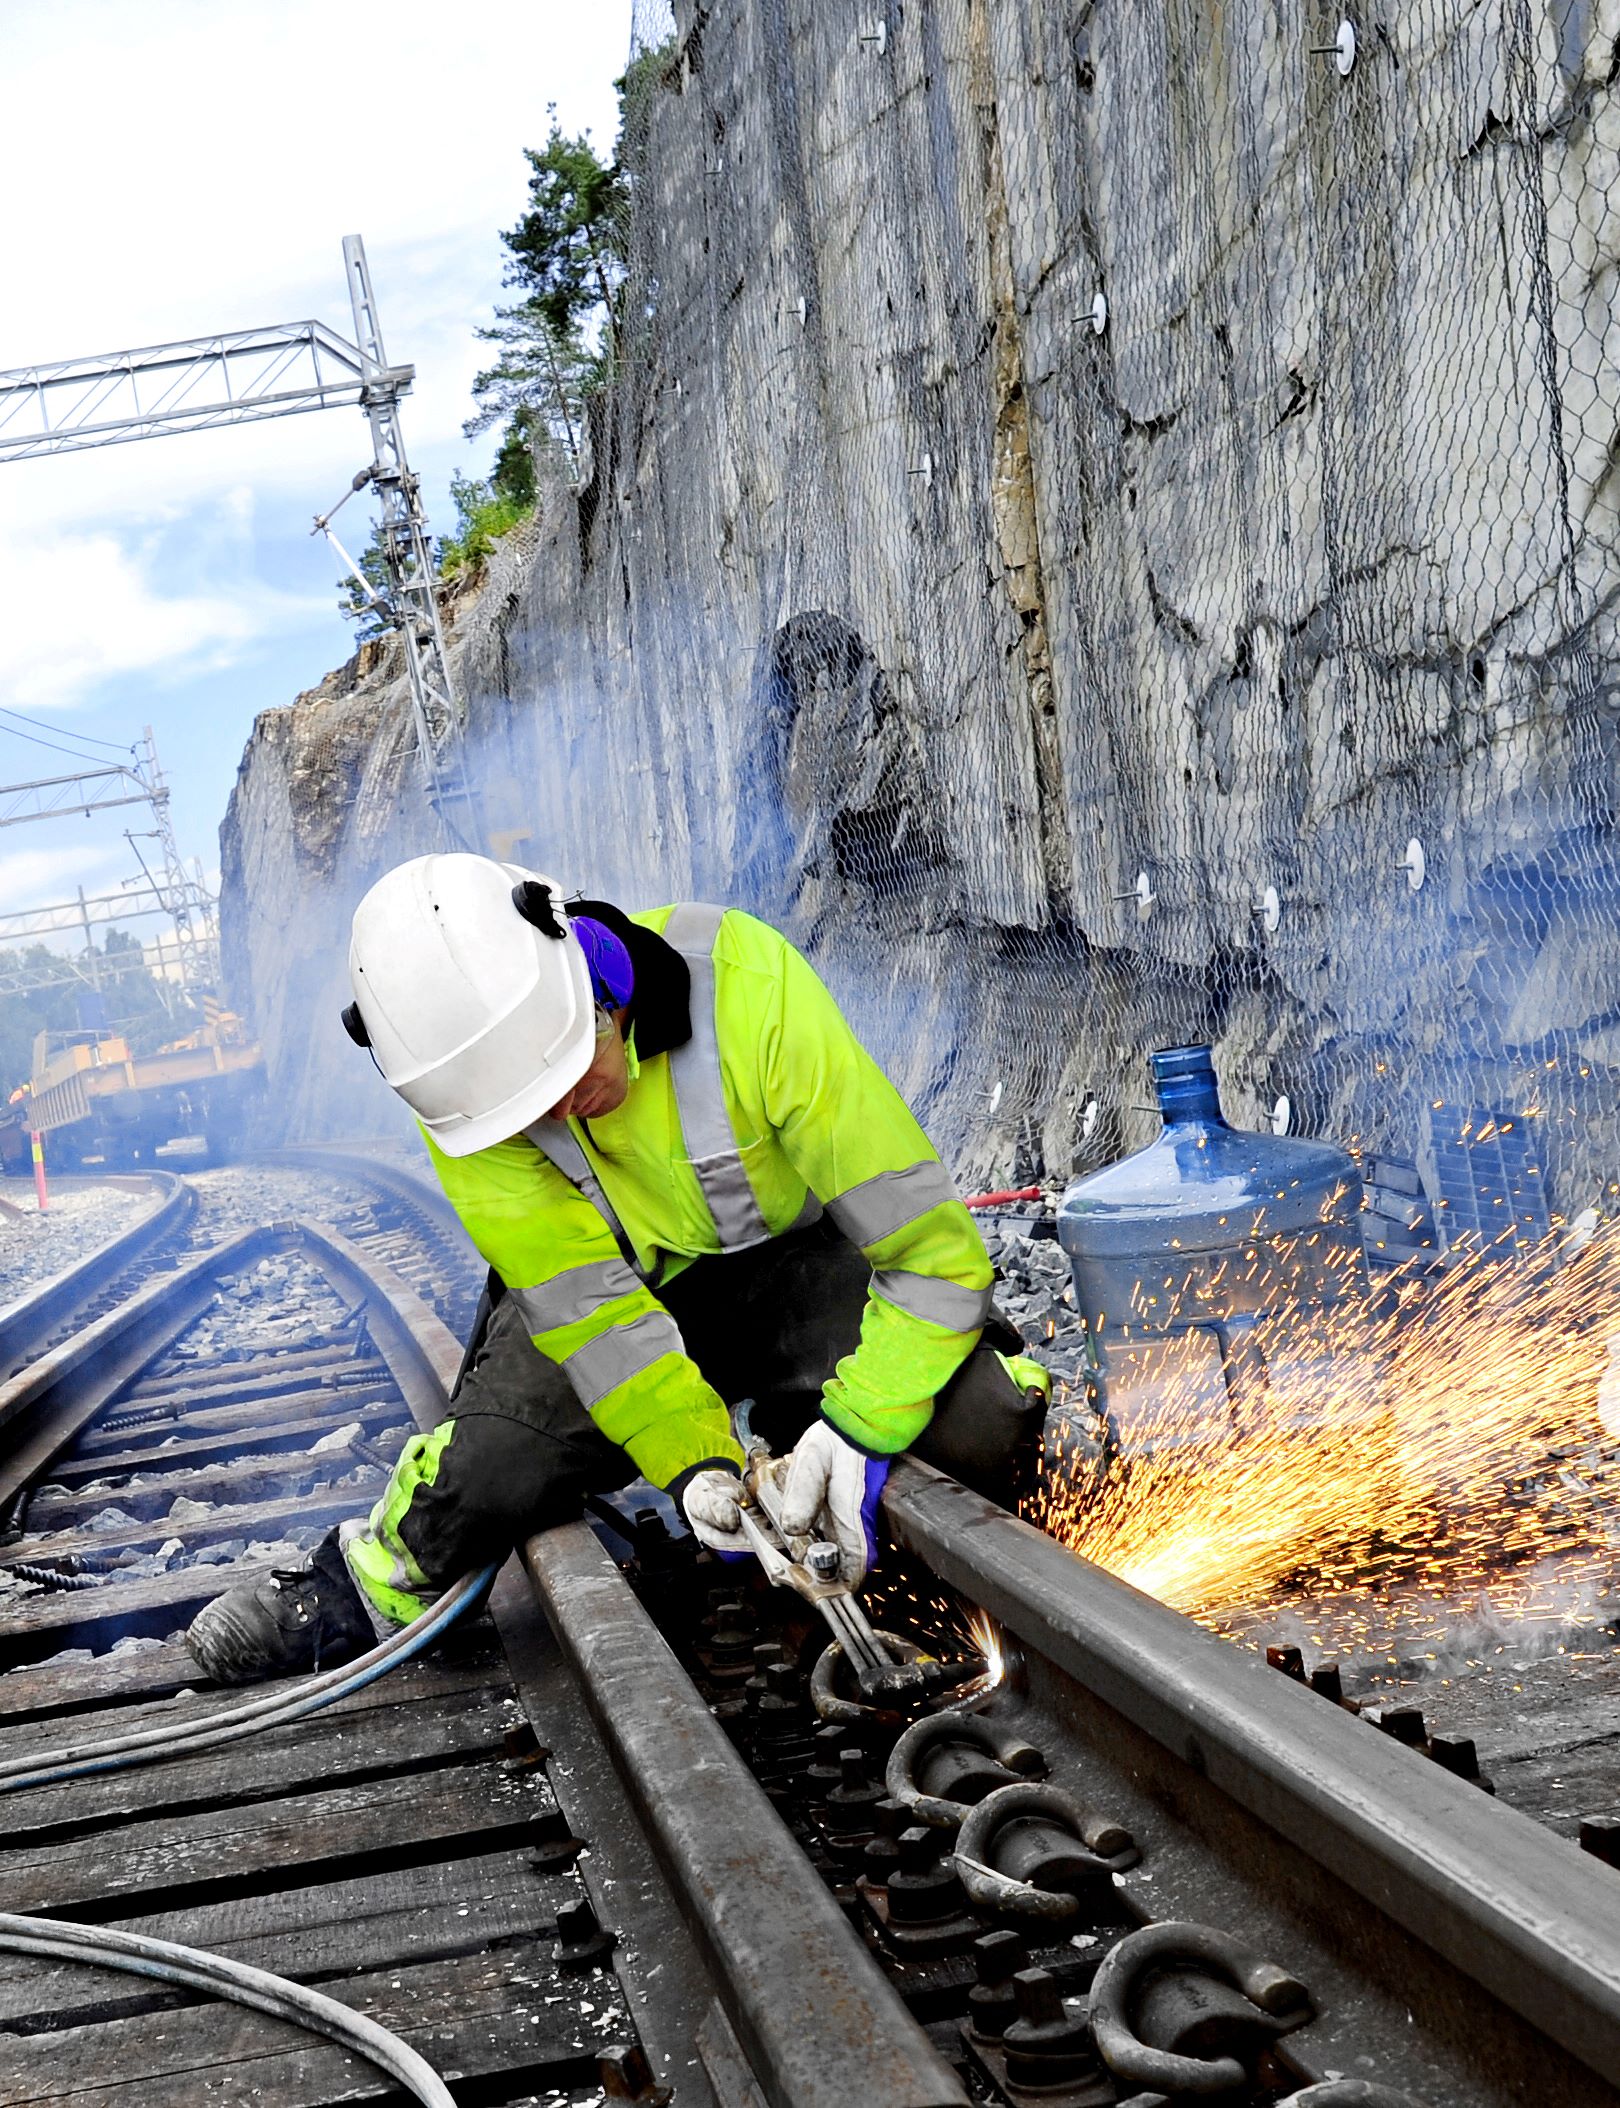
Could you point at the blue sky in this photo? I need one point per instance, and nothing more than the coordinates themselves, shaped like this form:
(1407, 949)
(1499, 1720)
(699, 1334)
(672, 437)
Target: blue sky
(187, 166)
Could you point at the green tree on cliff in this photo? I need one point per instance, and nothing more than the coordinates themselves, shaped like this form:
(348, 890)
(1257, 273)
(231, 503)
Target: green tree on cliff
(537, 388)
(567, 251)
(558, 344)
(485, 511)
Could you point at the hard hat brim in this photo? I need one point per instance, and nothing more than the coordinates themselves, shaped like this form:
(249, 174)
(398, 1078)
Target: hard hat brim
(462, 1134)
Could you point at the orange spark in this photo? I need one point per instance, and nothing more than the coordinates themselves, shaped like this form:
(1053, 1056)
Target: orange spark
(1447, 1438)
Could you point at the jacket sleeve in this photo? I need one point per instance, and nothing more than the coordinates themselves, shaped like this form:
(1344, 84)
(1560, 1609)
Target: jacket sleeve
(850, 1134)
(586, 1310)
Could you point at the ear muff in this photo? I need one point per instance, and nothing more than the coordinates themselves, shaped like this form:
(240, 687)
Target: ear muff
(533, 902)
(355, 1025)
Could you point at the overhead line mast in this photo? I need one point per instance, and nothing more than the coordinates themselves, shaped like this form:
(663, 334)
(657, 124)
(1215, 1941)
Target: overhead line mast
(243, 377)
(99, 787)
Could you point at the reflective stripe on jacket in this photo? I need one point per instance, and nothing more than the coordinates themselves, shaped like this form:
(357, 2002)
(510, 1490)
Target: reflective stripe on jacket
(769, 1111)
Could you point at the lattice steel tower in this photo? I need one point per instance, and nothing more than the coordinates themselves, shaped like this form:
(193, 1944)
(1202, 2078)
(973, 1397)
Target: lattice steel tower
(242, 377)
(404, 532)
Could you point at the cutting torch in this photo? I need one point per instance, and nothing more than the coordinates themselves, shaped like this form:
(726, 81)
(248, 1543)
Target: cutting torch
(809, 1566)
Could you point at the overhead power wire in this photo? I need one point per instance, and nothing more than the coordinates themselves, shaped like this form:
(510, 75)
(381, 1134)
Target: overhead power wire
(88, 738)
(184, 1738)
(191, 1968)
(72, 753)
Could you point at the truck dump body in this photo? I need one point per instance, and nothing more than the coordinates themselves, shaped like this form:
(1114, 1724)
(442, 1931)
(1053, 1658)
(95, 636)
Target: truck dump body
(99, 1087)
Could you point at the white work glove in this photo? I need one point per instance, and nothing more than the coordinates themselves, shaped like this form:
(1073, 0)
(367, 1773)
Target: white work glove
(709, 1503)
(831, 1488)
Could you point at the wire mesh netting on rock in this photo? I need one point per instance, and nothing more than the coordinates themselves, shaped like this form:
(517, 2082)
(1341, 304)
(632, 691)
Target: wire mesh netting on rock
(1103, 526)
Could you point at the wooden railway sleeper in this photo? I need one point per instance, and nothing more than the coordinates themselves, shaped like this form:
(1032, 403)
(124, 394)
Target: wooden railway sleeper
(1350, 2093)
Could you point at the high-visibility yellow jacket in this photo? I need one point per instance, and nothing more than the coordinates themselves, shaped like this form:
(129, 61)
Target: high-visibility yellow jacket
(770, 1111)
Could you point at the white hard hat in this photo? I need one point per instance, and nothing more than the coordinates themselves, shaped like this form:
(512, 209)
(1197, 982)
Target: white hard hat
(473, 995)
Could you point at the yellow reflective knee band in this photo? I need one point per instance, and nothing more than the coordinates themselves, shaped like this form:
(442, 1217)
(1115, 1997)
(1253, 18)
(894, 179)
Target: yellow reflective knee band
(372, 1568)
(383, 1569)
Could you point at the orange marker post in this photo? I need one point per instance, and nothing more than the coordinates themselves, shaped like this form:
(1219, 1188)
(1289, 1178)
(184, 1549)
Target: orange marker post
(38, 1141)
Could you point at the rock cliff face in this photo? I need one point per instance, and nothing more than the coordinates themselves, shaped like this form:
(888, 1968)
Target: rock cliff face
(1089, 486)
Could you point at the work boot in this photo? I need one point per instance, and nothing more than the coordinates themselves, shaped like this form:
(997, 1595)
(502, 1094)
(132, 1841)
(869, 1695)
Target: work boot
(310, 1617)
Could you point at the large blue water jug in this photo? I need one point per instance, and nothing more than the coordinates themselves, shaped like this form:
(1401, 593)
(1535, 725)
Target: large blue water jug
(1214, 1268)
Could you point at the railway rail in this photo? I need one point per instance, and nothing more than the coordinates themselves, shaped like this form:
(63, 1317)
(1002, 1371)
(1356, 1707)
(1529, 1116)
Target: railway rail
(630, 1834)
(30, 1322)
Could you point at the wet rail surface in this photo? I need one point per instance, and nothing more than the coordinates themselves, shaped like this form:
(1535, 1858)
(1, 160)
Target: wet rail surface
(616, 1836)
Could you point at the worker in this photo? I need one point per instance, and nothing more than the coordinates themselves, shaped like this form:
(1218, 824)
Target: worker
(692, 1186)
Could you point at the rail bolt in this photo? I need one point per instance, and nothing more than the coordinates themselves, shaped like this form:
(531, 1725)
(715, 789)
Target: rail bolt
(993, 1997)
(1404, 1723)
(852, 1803)
(581, 1939)
(626, 2076)
(1327, 1682)
(826, 1768)
(923, 1889)
(1459, 1754)
(1048, 2045)
(1120, 2008)
(551, 1841)
(881, 1855)
(726, 1648)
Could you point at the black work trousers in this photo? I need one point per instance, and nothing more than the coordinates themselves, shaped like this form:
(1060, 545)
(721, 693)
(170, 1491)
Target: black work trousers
(770, 1323)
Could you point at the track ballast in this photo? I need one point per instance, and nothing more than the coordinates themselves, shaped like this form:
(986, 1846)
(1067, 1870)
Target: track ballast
(631, 1845)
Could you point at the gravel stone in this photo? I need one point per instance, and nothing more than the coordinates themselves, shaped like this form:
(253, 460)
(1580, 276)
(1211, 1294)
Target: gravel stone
(79, 1220)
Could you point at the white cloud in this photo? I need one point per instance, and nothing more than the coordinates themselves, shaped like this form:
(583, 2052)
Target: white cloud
(35, 877)
(218, 152)
(96, 610)
(192, 167)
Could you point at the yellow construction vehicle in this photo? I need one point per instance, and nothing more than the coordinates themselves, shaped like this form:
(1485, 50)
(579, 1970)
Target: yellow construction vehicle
(93, 1097)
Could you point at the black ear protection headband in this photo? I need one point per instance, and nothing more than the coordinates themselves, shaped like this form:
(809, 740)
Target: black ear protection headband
(532, 901)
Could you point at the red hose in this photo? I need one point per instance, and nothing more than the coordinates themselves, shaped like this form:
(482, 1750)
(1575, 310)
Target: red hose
(994, 1200)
